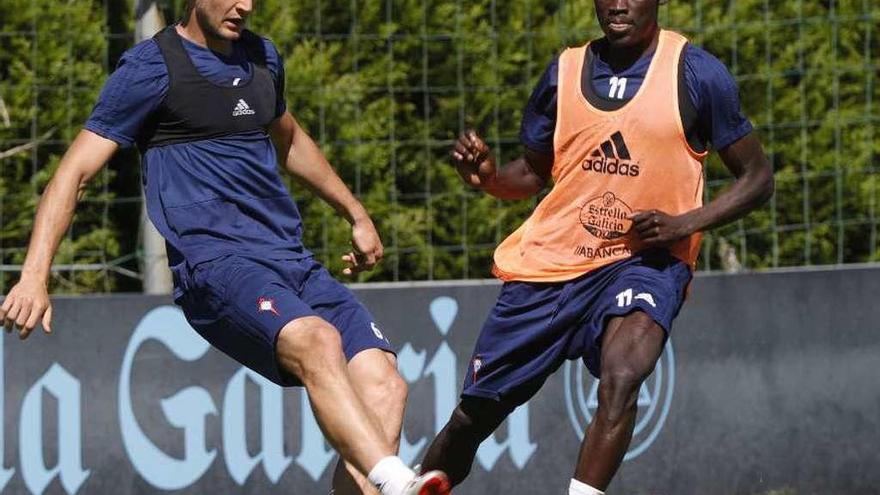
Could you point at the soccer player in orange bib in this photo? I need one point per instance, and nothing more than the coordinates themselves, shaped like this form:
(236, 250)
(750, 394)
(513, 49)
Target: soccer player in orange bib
(622, 127)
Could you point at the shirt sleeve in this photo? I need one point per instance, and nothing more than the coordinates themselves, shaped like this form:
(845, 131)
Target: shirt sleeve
(275, 63)
(130, 95)
(720, 119)
(539, 117)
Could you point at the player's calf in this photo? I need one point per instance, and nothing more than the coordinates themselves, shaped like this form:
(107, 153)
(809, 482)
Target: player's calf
(454, 448)
(609, 433)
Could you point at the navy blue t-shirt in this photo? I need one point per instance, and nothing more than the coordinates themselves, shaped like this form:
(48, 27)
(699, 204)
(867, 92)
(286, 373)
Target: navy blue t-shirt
(712, 89)
(227, 191)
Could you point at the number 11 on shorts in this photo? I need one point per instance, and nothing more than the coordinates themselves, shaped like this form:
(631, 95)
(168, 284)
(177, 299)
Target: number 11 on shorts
(625, 298)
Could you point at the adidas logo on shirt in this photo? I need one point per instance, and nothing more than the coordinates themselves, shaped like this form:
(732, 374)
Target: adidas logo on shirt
(242, 108)
(612, 157)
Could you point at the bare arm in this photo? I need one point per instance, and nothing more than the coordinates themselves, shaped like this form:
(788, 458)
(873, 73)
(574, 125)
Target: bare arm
(754, 185)
(304, 160)
(521, 178)
(28, 301)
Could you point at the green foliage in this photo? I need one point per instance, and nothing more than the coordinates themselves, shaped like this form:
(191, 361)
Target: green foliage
(385, 87)
(808, 77)
(385, 91)
(49, 84)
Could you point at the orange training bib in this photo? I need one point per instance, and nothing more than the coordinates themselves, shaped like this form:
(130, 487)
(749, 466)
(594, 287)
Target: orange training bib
(607, 166)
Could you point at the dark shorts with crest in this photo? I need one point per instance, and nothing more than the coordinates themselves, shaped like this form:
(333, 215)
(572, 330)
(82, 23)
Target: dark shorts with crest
(240, 304)
(535, 327)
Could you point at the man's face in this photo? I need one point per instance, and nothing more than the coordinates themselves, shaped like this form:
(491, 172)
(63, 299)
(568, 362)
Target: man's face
(627, 22)
(223, 19)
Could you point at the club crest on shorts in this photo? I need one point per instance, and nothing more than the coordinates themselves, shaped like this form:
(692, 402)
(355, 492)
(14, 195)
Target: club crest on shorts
(478, 364)
(654, 400)
(265, 304)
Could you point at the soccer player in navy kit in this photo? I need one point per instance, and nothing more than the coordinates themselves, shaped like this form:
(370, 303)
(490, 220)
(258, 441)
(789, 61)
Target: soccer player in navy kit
(204, 102)
(600, 269)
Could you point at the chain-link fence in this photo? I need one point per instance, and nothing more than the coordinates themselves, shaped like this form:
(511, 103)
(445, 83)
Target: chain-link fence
(385, 86)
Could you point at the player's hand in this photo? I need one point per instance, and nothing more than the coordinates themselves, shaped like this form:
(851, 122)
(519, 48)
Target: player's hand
(367, 248)
(473, 160)
(27, 303)
(657, 229)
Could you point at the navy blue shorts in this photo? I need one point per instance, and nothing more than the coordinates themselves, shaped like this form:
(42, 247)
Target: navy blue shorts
(535, 327)
(240, 304)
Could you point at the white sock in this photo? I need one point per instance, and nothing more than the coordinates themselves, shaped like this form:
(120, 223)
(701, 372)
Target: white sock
(578, 488)
(391, 475)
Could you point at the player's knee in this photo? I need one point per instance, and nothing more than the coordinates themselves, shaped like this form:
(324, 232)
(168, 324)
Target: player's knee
(476, 420)
(461, 423)
(619, 388)
(387, 392)
(312, 335)
(625, 376)
(308, 345)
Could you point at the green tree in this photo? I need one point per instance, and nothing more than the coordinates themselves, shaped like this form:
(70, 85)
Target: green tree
(49, 83)
(386, 86)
